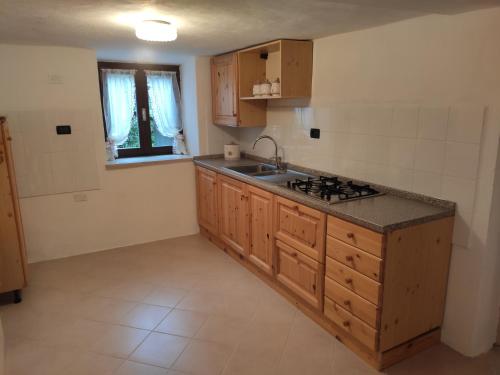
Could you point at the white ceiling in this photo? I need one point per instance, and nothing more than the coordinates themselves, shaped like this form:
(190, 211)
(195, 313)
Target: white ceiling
(205, 26)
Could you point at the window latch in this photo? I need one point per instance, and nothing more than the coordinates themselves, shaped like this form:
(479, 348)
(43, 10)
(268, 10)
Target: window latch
(144, 115)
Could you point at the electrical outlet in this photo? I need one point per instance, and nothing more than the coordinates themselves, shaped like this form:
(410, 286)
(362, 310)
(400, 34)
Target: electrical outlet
(81, 197)
(315, 133)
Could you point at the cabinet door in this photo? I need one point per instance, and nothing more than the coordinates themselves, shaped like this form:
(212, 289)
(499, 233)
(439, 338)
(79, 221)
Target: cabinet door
(301, 227)
(260, 251)
(301, 274)
(206, 186)
(233, 213)
(12, 248)
(224, 89)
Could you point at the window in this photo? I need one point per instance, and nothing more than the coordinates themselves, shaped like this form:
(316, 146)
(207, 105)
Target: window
(141, 107)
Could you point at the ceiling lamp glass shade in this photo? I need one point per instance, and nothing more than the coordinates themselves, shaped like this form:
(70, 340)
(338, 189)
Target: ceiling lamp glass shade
(156, 31)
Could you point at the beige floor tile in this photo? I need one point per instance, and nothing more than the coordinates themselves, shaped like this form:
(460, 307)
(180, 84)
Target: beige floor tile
(203, 302)
(27, 355)
(79, 334)
(160, 349)
(169, 297)
(91, 363)
(119, 341)
(203, 358)
(182, 322)
(145, 316)
(134, 368)
(223, 329)
(104, 309)
(134, 290)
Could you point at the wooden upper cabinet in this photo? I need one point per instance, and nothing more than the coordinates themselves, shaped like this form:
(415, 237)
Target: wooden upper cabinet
(225, 89)
(301, 227)
(207, 196)
(234, 74)
(260, 251)
(233, 213)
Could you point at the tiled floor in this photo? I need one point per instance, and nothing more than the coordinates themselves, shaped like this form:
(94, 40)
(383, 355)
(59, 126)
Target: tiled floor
(176, 307)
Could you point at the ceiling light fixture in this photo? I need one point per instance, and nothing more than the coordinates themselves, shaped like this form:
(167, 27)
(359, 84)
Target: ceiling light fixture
(156, 31)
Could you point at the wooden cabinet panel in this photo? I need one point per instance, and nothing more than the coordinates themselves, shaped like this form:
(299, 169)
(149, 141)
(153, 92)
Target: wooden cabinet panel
(12, 246)
(351, 302)
(260, 251)
(415, 279)
(300, 227)
(301, 274)
(356, 327)
(353, 280)
(206, 187)
(233, 213)
(225, 89)
(355, 235)
(359, 260)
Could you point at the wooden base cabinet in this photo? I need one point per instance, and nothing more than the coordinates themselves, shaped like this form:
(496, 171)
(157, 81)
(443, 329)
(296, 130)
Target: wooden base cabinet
(207, 198)
(260, 250)
(12, 245)
(233, 213)
(382, 295)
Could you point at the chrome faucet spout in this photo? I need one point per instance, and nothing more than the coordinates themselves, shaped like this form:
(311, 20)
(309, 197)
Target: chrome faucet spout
(276, 157)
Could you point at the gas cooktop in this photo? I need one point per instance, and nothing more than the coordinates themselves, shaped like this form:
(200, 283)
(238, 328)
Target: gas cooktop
(332, 189)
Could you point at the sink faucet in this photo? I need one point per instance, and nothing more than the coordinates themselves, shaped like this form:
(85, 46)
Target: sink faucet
(277, 159)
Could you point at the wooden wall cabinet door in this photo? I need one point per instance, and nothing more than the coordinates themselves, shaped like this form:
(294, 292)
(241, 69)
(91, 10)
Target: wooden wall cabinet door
(207, 197)
(299, 273)
(260, 250)
(233, 213)
(300, 227)
(225, 89)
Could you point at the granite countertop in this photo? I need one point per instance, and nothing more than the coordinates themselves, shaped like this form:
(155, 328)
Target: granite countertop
(395, 209)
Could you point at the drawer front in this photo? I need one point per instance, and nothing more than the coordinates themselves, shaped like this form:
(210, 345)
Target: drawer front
(348, 322)
(351, 256)
(353, 303)
(299, 273)
(355, 235)
(353, 280)
(300, 227)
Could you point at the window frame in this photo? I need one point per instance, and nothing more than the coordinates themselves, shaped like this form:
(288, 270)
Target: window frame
(142, 102)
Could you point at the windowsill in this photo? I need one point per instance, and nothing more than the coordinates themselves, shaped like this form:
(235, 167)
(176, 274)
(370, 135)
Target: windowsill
(146, 161)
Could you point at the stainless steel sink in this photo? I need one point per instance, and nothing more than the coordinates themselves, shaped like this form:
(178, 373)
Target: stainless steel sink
(268, 173)
(256, 170)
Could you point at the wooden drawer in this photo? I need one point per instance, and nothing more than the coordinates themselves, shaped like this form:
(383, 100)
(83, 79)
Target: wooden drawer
(351, 256)
(299, 273)
(356, 327)
(300, 227)
(355, 235)
(353, 303)
(353, 280)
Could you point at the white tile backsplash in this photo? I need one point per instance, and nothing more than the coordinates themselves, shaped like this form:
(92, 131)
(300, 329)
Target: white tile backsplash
(405, 122)
(466, 123)
(433, 123)
(430, 155)
(402, 152)
(47, 163)
(462, 160)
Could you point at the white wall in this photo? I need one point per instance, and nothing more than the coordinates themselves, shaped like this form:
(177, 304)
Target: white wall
(134, 205)
(414, 105)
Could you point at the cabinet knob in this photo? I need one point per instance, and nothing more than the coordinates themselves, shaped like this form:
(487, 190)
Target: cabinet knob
(10, 214)
(347, 302)
(346, 323)
(350, 235)
(348, 281)
(294, 254)
(349, 258)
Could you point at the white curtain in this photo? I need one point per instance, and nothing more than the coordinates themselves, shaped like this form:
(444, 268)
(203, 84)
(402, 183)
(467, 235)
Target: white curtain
(119, 102)
(165, 106)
